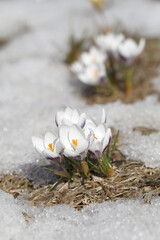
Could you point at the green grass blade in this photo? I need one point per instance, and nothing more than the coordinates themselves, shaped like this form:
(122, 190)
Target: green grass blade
(113, 148)
(55, 184)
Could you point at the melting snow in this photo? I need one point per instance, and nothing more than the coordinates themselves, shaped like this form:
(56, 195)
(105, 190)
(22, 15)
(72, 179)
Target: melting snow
(34, 84)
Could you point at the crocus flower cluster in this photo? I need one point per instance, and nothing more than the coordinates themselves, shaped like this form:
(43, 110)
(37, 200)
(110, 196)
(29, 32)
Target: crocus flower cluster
(76, 137)
(94, 67)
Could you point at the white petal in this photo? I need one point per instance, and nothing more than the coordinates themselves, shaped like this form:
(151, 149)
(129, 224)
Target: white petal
(51, 155)
(104, 118)
(107, 139)
(130, 49)
(90, 126)
(95, 147)
(83, 78)
(85, 58)
(49, 138)
(82, 120)
(63, 136)
(75, 116)
(100, 132)
(59, 117)
(92, 74)
(58, 146)
(77, 67)
(67, 121)
(71, 153)
(141, 45)
(76, 133)
(90, 137)
(38, 144)
(82, 146)
(68, 112)
(90, 122)
(100, 41)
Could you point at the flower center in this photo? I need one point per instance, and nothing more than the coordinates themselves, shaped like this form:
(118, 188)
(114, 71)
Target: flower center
(95, 73)
(74, 141)
(95, 137)
(50, 145)
(94, 58)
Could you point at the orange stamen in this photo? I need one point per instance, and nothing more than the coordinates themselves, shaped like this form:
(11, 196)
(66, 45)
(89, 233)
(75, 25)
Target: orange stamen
(95, 73)
(95, 137)
(74, 142)
(50, 147)
(94, 58)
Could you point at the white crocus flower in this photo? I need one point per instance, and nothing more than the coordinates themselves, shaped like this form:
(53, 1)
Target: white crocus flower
(129, 50)
(90, 124)
(93, 74)
(102, 135)
(109, 43)
(102, 138)
(74, 142)
(69, 117)
(93, 56)
(50, 146)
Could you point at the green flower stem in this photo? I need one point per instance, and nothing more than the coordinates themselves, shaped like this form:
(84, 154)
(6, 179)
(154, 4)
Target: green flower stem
(111, 75)
(64, 169)
(56, 183)
(128, 79)
(114, 145)
(110, 80)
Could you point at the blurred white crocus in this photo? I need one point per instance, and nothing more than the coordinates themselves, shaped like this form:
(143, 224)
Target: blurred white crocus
(93, 74)
(93, 56)
(90, 68)
(77, 67)
(50, 146)
(109, 43)
(74, 142)
(69, 117)
(128, 50)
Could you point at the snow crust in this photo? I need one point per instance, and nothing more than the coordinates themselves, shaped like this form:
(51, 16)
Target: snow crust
(137, 17)
(122, 220)
(123, 117)
(34, 84)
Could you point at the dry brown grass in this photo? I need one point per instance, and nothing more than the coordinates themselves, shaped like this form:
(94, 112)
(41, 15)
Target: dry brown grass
(131, 179)
(128, 179)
